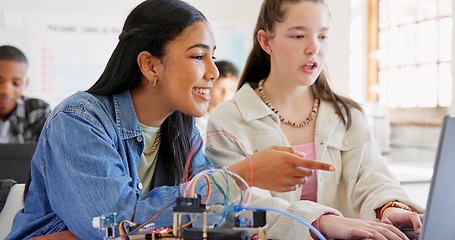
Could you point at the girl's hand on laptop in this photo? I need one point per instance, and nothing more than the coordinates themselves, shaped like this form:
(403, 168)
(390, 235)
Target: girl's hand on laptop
(333, 226)
(398, 217)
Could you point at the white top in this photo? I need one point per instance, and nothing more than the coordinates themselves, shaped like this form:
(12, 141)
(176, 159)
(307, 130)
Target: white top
(361, 183)
(201, 124)
(147, 164)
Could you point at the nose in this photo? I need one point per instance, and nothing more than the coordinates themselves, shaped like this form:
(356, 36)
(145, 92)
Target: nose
(3, 88)
(313, 47)
(212, 72)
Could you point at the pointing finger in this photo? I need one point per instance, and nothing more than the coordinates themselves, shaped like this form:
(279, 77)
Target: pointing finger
(316, 165)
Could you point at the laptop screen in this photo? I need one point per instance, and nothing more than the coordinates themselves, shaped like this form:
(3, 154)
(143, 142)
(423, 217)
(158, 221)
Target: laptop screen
(15, 160)
(440, 209)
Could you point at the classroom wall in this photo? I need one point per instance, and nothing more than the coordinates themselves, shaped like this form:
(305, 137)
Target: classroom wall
(13, 14)
(245, 12)
(65, 53)
(233, 21)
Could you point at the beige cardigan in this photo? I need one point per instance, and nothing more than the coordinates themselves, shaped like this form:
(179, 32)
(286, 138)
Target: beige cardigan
(361, 183)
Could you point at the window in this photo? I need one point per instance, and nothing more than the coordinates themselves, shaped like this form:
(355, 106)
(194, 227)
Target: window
(412, 50)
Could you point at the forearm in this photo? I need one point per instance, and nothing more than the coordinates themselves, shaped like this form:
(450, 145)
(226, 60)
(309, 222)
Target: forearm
(241, 168)
(284, 227)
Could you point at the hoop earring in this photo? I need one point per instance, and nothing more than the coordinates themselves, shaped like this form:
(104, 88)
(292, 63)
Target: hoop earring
(154, 82)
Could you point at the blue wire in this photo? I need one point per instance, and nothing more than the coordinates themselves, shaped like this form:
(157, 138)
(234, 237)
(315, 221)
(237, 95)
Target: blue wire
(237, 208)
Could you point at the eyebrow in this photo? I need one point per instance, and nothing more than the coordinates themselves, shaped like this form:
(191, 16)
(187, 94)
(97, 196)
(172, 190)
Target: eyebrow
(201, 45)
(303, 28)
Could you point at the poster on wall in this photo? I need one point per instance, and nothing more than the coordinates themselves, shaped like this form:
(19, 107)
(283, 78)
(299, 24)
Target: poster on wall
(68, 52)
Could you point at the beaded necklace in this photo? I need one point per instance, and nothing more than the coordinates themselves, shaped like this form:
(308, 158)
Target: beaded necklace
(284, 120)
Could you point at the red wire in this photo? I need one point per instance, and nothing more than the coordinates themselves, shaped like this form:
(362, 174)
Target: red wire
(250, 164)
(148, 221)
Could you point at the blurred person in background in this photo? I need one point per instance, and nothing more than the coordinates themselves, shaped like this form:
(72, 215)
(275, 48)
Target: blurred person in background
(21, 118)
(223, 89)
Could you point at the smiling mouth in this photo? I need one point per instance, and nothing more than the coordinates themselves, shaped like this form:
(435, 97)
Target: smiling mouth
(204, 91)
(5, 100)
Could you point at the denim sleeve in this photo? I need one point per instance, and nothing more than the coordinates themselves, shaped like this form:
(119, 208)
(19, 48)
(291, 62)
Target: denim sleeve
(87, 174)
(197, 143)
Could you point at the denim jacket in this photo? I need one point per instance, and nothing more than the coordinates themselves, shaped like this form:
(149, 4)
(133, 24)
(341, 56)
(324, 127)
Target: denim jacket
(85, 166)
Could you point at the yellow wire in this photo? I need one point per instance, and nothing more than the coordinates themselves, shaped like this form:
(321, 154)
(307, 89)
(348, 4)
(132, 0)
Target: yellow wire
(209, 188)
(193, 188)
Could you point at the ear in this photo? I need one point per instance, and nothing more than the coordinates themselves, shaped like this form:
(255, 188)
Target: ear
(263, 39)
(26, 81)
(148, 64)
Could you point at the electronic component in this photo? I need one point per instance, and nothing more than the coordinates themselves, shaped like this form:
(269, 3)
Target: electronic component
(255, 226)
(215, 234)
(107, 223)
(188, 205)
(245, 228)
(192, 205)
(259, 218)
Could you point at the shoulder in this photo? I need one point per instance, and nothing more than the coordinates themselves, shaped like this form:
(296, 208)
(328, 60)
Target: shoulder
(80, 100)
(327, 110)
(35, 103)
(85, 105)
(245, 105)
(330, 125)
(226, 110)
(225, 116)
(359, 118)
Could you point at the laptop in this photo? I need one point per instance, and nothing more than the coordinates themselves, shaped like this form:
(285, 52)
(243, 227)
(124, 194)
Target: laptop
(440, 209)
(15, 160)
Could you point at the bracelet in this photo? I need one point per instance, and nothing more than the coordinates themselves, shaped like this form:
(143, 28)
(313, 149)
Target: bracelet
(394, 204)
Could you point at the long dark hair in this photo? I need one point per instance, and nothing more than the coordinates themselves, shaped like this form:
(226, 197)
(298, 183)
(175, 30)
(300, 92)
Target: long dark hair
(257, 66)
(150, 27)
